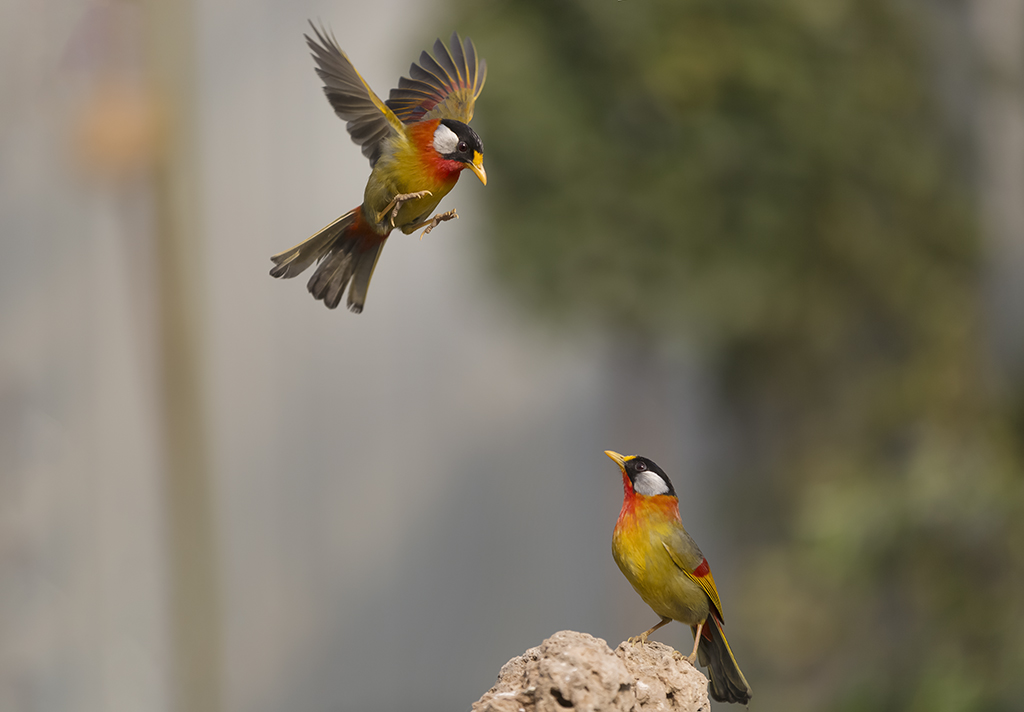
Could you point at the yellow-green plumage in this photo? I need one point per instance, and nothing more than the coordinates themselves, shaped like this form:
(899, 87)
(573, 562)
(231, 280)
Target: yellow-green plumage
(406, 166)
(666, 567)
(640, 546)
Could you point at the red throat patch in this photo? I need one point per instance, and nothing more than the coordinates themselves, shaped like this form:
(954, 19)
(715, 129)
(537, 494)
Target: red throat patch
(422, 135)
(627, 485)
(638, 509)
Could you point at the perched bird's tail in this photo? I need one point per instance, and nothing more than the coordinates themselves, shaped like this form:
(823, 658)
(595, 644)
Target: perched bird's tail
(347, 250)
(727, 681)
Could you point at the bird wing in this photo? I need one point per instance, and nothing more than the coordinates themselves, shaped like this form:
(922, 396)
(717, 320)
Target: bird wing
(444, 86)
(701, 575)
(369, 120)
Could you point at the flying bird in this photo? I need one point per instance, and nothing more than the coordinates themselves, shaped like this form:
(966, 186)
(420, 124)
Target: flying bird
(418, 143)
(665, 566)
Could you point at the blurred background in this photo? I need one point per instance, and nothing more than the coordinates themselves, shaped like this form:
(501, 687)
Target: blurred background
(776, 247)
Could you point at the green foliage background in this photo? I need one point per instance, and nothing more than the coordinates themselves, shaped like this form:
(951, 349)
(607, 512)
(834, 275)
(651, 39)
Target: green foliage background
(774, 182)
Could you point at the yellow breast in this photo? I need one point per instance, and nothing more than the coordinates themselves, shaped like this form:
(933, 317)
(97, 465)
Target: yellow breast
(638, 546)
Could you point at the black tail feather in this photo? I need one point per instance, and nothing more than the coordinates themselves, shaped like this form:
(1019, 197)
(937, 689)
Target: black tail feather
(714, 653)
(346, 258)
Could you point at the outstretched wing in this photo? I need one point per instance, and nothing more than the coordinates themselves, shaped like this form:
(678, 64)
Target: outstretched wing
(369, 120)
(444, 86)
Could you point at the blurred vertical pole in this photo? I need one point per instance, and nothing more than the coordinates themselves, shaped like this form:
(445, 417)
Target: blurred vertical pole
(999, 39)
(194, 594)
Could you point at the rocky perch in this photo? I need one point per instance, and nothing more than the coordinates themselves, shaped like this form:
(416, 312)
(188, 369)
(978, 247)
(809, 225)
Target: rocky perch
(578, 671)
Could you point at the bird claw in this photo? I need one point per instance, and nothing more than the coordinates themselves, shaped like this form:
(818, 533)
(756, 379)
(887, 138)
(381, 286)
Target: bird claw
(438, 219)
(641, 639)
(396, 204)
(692, 659)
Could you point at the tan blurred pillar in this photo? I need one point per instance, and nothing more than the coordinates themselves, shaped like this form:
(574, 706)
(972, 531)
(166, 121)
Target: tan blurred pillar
(194, 588)
(999, 39)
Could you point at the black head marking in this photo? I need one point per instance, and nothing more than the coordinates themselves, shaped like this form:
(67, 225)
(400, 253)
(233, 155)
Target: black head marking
(648, 478)
(465, 146)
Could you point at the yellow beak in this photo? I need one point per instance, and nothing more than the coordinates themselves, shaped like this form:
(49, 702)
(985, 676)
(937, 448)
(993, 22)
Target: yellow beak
(620, 460)
(477, 166)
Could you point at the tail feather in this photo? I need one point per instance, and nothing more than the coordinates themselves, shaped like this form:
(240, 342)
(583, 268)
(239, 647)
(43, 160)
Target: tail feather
(347, 251)
(714, 653)
(329, 280)
(294, 261)
(362, 273)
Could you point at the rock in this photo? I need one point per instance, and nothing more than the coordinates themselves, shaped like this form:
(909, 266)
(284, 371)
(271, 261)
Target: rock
(661, 681)
(577, 671)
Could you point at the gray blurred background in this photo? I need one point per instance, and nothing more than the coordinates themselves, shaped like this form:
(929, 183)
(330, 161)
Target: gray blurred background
(779, 249)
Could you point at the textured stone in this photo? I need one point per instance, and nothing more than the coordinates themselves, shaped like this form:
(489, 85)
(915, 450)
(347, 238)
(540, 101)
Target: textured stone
(662, 682)
(577, 671)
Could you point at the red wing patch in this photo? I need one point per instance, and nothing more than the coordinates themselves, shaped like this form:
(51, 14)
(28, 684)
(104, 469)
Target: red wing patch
(702, 570)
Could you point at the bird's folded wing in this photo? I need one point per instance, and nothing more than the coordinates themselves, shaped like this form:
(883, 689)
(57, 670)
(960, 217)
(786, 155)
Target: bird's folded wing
(701, 574)
(444, 86)
(369, 119)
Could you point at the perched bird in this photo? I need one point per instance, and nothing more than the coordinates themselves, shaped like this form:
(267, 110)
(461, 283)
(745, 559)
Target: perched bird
(418, 143)
(665, 566)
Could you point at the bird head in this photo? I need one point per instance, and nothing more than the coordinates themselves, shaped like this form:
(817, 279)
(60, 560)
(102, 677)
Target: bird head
(642, 475)
(456, 141)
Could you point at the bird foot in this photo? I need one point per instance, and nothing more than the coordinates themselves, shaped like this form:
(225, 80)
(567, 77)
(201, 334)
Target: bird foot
(438, 219)
(641, 639)
(396, 204)
(692, 658)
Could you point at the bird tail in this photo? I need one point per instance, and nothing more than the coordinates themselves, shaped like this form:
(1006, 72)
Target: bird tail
(347, 251)
(714, 653)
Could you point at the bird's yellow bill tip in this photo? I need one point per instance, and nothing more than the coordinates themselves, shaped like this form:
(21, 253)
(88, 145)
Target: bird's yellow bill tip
(620, 460)
(477, 166)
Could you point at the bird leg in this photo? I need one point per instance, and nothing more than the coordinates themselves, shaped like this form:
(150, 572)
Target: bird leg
(642, 638)
(396, 204)
(432, 222)
(692, 657)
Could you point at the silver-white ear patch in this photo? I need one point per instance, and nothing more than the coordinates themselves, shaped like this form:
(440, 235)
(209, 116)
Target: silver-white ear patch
(445, 140)
(649, 484)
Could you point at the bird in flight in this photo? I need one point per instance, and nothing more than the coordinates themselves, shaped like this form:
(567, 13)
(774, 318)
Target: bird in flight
(418, 143)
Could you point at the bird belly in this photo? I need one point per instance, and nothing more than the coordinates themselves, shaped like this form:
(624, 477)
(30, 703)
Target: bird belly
(650, 570)
(416, 211)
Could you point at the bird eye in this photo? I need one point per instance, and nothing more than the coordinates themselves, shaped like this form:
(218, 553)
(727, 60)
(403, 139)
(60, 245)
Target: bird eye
(641, 466)
(463, 147)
